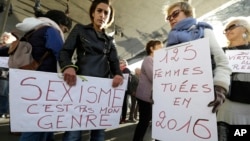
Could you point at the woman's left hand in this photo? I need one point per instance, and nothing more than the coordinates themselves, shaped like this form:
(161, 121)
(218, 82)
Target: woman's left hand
(219, 98)
(117, 80)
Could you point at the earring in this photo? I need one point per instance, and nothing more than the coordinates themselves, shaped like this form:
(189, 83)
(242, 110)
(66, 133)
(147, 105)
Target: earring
(244, 35)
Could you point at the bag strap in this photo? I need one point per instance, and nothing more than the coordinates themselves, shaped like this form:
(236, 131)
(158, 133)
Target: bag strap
(43, 57)
(26, 38)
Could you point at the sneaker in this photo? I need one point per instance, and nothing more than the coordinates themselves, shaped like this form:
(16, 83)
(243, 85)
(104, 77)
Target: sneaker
(5, 116)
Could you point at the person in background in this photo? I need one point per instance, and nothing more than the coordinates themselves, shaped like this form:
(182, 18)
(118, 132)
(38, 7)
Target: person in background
(37, 6)
(96, 56)
(47, 36)
(67, 8)
(4, 93)
(236, 109)
(10, 9)
(185, 28)
(134, 107)
(124, 68)
(3, 5)
(137, 74)
(5, 41)
(144, 90)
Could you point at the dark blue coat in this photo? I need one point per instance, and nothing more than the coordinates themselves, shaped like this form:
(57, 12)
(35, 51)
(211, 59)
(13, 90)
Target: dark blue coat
(46, 39)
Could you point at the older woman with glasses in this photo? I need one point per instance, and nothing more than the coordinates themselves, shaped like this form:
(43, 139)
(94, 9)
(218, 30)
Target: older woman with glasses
(185, 28)
(236, 109)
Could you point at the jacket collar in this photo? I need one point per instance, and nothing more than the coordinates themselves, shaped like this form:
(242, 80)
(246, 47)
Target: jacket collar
(90, 26)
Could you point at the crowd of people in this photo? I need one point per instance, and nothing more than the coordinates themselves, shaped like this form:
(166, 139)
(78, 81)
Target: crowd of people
(5, 41)
(97, 56)
(3, 7)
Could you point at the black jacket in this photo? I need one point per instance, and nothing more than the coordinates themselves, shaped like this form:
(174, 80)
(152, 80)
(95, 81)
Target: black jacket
(4, 51)
(96, 52)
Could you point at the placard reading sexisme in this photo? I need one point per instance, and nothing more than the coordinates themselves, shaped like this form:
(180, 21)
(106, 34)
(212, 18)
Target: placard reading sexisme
(41, 101)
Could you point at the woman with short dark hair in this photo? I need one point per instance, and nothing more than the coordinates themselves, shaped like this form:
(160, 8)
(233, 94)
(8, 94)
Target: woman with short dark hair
(145, 89)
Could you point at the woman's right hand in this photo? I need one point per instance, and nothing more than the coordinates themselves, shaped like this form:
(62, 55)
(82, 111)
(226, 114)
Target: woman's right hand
(69, 75)
(117, 80)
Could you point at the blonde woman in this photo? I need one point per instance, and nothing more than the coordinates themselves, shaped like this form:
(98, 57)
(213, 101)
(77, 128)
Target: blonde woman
(236, 109)
(185, 28)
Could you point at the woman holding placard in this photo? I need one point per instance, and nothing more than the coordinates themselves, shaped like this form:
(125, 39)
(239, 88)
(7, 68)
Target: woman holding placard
(185, 28)
(96, 56)
(236, 109)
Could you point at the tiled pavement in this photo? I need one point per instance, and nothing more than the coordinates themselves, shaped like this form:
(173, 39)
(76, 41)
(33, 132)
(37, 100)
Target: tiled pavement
(123, 133)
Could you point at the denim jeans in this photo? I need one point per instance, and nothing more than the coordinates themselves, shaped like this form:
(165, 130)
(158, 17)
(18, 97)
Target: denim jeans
(95, 135)
(4, 96)
(37, 136)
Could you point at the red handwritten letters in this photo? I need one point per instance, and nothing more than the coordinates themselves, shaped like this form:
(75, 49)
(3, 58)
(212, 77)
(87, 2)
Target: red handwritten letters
(182, 88)
(53, 105)
(239, 60)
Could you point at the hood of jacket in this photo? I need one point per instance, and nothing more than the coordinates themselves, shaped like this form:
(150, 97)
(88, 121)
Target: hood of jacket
(32, 23)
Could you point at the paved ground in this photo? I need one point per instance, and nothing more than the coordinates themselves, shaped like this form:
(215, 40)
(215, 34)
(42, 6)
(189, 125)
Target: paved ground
(123, 133)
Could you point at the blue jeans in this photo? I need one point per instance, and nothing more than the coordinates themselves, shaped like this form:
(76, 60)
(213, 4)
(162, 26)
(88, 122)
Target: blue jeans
(4, 96)
(95, 135)
(37, 136)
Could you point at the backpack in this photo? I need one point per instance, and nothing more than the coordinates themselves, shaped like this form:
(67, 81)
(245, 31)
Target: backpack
(132, 83)
(20, 55)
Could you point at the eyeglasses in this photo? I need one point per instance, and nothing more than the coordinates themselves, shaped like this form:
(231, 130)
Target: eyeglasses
(231, 27)
(174, 14)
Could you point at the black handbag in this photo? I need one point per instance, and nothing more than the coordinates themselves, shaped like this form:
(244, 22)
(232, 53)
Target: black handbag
(240, 92)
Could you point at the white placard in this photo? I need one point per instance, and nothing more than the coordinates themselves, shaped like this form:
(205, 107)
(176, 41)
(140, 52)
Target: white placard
(182, 89)
(41, 101)
(239, 60)
(4, 62)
